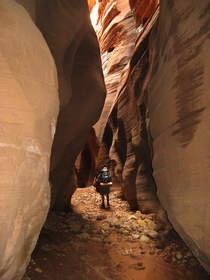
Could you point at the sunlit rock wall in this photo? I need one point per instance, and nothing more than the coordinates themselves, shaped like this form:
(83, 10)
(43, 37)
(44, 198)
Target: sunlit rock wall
(143, 9)
(29, 107)
(131, 143)
(28, 112)
(157, 121)
(115, 28)
(116, 33)
(120, 126)
(72, 40)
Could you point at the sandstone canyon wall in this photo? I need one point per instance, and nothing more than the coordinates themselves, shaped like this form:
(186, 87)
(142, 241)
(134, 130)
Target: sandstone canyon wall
(120, 126)
(154, 125)
(72, 40)
(29, 113)
(29, 105)
(179, 119)
(81, 86)
(157, 124)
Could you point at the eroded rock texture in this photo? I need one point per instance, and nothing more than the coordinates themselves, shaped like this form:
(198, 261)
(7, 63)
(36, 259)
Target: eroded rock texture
(143, 9)
(116, 33)
(154, 125)
(179, 122)
(81, 85)
(86, 163)
(29, 103)
(157, 122)
(29, 111)
(72, 40)
(115, 28)
(120, 126)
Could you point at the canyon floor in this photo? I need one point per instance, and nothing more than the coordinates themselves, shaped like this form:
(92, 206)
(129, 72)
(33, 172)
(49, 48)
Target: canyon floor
(112, 244)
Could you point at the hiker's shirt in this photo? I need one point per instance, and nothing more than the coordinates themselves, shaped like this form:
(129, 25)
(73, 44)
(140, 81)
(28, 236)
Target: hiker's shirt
(104, 182)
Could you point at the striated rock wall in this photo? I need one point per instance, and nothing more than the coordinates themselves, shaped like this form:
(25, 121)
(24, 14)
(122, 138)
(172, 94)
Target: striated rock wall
(81, 85)
(115, 28)
(121, 126)
(131, 147)
(179, 122)
(154, 124)
(71, 38)
(29, 105)
(116, 33)
(29, 110)
(156, 114)
(143, 9)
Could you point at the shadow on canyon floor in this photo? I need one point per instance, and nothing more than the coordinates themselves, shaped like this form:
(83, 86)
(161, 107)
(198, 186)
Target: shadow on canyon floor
(114, 244)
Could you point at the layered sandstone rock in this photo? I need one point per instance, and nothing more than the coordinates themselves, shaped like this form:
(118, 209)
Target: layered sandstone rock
(158, 118)
(154, 124)
(143, 10)
(120, 123)
(116, 33)
(29, 111)
(91, 4)
(68, 31)
(71, 38)
(29, 103)
(179, 119)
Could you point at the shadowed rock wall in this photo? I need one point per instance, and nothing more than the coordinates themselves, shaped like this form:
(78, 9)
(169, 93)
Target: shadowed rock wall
(71, 38)
(30, 97)
(81, 85)
(159, 116)
(179, 119)
(155, 122)
(86, 163)
(115, 27)
(124, 75)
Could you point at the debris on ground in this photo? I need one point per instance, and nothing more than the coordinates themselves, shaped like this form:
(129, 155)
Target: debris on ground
(111, 244)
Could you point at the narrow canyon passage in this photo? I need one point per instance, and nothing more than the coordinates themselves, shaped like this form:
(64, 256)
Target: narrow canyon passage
(111, 244)
(92, 86)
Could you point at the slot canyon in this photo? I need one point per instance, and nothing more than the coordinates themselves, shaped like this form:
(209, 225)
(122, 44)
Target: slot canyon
(93, 84)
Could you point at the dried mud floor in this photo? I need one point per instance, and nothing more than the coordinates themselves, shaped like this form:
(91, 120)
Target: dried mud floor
(113, 244)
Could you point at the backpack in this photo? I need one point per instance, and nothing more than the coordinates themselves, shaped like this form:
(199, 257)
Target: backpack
(105, 177)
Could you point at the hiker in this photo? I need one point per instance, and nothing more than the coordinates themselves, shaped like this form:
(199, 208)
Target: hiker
(103, 182)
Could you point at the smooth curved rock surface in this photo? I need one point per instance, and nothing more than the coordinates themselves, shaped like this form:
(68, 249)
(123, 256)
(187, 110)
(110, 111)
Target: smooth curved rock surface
(120, 123)
(86, 163)
(156, 115)
(72, 40)
(29, 104)
(179, 119)
(114, 18)
(159, 121)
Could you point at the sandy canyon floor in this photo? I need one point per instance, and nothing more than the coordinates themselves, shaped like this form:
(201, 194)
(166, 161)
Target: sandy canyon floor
(113, 244)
